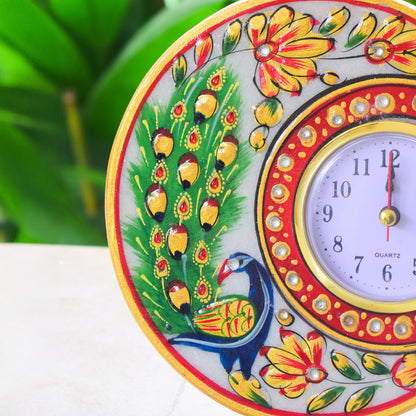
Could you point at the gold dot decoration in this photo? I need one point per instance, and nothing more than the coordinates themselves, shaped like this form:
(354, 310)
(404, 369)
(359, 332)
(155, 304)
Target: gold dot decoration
(183, 206)
(160, 173)
(388, 337)
(193, 139)
(414, 103)
(337, 305)
(363, 315)
(402, 95)
(350, 321)
(229, 118)
(304, 298)
(203, 290)
(178, 111)
(215, 184)
(361, 333)
(217, 79)
(309, 288)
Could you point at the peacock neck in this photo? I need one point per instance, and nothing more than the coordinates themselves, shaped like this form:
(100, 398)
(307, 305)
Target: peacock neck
(257, 274)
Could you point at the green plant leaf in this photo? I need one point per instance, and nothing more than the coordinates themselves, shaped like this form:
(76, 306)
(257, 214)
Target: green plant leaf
(95, 22)
(113, 92)
(33, 33)
(345, 365)
(17, 71)
(34, 195)
(319, 401)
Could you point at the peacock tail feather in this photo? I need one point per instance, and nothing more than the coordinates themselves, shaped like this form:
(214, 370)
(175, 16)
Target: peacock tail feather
(185, 186)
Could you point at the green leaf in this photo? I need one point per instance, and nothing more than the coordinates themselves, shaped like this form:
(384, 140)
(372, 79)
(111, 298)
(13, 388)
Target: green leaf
(232, 37)
(33, 33)
(360, 399)
(374, 365)
(362, 30)
(17, 71)
(95, 22)
(113, 92)
(34, 196)
(345, 365)
(319, 401)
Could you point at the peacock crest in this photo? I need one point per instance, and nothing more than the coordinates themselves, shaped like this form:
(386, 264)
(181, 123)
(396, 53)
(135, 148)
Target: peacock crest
(191, 163)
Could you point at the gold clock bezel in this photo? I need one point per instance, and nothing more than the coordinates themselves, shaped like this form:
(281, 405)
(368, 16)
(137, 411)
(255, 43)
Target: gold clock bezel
(300, 220)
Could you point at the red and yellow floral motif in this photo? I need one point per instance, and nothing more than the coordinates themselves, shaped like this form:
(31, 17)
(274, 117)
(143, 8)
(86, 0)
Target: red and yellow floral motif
(296, 364)
(286, 49)
(404, 372)
(394, 43)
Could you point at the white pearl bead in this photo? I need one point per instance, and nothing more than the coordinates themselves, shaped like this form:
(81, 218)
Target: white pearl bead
(264, 50)
(305, 133)
(293, 279)
(277, 191)
(401, 329)
(285, 162)
(348, 321)
(375, 326)
(379, 52)
(233, 264)
(313, 374)
(337, 120)
(283, 314)
(360, 107)
(275, 223)
(383, 101)
(281, 250)
(321, 305)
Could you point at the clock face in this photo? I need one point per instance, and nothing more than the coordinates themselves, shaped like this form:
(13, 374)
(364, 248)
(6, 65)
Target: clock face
(360, 219)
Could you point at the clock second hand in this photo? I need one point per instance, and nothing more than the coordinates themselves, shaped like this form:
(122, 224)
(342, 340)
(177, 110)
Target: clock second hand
(389, 183)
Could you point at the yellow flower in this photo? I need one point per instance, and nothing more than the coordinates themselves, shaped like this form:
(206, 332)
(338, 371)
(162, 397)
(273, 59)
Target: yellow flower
(286, 49)
(394, 43)
(295, 365)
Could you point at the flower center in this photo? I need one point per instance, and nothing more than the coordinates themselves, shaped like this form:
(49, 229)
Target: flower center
(314, 375)
(379, 51)
(264, 52)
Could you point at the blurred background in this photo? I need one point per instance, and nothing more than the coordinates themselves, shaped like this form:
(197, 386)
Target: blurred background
(68, 69)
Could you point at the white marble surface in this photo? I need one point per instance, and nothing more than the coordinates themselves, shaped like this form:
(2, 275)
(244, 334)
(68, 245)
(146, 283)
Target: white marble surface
(69, 345)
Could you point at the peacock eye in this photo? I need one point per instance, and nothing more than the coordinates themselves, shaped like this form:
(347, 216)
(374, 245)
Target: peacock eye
(234, 264)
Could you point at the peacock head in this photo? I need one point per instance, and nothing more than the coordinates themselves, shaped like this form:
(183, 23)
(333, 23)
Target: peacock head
(236, 263)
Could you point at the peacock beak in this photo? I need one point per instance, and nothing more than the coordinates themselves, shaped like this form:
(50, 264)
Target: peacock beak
(225, 271)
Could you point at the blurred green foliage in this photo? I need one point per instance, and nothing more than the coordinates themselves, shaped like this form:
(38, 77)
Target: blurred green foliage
(68, 70)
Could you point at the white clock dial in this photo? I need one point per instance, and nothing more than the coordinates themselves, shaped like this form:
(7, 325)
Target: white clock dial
(360, 216)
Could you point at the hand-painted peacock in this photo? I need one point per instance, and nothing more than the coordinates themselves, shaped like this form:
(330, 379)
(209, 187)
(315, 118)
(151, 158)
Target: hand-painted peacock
(185, 193)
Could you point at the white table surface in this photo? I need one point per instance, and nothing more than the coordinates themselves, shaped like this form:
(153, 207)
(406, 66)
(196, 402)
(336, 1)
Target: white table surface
(69, 345)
